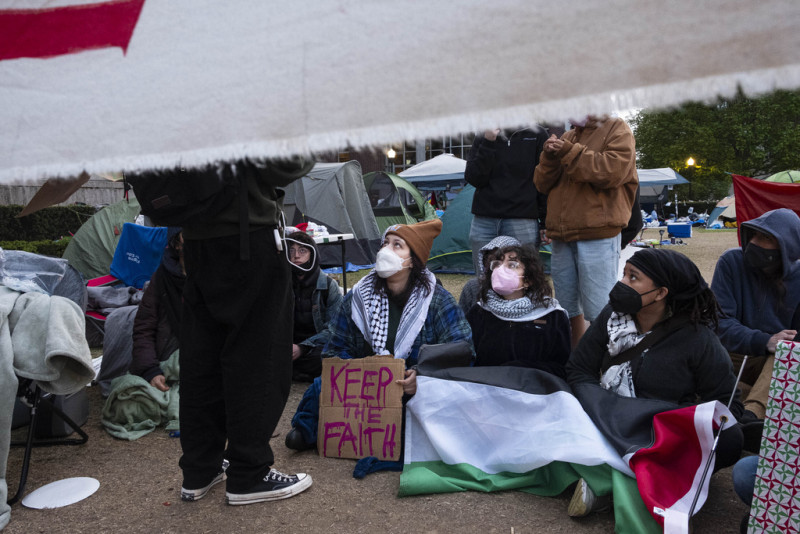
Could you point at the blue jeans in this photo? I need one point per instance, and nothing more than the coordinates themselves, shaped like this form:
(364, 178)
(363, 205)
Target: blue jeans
(484, 229)
(744, 478)
(583, 273)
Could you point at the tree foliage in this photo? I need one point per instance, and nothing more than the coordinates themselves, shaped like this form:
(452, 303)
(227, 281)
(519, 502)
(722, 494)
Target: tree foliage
(749, 136)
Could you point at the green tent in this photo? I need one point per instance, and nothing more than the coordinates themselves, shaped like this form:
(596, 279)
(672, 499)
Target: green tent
(91, 249)
(786, 177)
(451, 251)
(395, 201)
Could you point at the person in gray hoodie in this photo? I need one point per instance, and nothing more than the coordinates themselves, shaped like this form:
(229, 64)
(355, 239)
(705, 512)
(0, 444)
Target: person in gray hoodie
(758, 290)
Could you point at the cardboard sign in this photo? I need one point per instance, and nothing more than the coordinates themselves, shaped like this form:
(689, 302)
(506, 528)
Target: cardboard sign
(361, 408)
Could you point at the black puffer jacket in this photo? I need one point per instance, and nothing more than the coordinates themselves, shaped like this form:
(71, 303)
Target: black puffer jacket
(502, 173)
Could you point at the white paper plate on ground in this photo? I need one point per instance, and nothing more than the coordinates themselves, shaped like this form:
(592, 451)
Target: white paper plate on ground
(61, 493)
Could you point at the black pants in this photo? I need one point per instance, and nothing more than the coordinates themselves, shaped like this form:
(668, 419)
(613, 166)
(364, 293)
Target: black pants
(235, 358)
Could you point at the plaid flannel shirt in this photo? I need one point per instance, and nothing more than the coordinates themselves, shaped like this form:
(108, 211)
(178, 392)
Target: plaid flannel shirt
(445, 323)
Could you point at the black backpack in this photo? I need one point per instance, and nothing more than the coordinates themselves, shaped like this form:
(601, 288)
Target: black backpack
(180, 197)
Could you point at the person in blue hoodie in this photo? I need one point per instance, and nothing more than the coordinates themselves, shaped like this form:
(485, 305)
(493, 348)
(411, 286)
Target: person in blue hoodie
(758, 289)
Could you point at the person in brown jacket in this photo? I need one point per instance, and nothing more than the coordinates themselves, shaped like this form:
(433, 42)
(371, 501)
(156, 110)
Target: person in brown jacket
(589, 175)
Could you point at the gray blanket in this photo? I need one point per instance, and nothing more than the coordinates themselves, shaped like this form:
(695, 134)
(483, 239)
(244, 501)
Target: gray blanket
(135, 408)
(42, 338)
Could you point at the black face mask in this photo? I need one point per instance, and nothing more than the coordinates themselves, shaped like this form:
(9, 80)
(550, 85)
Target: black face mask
(764, 260)
(625, 299)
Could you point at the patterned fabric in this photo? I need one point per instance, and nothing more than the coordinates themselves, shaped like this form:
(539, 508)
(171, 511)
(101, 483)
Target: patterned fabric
(776, 499)
(622, 335)
(370, 314)
(444, 322)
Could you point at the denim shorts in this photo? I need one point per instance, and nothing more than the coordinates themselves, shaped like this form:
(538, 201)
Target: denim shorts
(583, 273)
(484, 229)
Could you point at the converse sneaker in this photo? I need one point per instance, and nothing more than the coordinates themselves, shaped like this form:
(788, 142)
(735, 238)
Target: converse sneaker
(584, 501)
(273, 487)
(197, 494)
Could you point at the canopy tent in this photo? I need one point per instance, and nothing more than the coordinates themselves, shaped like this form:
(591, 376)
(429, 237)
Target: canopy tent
(91, 249)
(126, 85)
(654, 184)
(441, 173)
(786, 177)
(333, 195)
(395, 201)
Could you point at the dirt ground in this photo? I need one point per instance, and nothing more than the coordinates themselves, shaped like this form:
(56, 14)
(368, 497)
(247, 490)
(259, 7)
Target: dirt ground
(140, 483)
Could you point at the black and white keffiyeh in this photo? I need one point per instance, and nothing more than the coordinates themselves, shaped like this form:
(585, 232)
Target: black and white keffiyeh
(519, 310)
(370, 313)
(622, 335)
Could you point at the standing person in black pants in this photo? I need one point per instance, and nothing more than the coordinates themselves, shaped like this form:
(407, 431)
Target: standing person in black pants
(236, 343)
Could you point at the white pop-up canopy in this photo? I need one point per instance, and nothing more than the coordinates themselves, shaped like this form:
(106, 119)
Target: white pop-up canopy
(436, 172)
(110, 85)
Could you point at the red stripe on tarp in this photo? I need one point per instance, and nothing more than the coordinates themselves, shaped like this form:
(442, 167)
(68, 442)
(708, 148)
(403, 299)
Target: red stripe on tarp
(42, 33)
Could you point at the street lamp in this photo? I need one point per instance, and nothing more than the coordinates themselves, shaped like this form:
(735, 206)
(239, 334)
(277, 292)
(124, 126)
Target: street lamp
(690, 162)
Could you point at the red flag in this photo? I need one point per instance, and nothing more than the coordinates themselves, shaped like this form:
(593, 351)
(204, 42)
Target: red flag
(669, 473)
(756, 197)
(41, 33)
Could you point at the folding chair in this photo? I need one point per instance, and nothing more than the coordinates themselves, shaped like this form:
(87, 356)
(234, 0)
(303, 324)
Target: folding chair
(55, 277)
(36, 400)
(136, 258)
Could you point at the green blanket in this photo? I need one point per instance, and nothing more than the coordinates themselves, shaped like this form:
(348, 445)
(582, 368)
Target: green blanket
(135, 408)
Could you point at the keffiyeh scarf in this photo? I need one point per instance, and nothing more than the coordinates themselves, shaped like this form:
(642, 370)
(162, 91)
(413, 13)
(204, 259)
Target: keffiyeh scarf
(517, 310)
(370, 313)
(622, 335)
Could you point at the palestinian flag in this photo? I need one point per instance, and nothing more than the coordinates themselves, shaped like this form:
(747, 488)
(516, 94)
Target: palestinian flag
(464, 432)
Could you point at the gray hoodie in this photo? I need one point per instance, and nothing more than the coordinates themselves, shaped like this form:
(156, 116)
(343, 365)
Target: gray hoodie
(752, 309)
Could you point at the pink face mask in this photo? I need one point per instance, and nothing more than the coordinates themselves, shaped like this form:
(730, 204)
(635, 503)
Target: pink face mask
(505, 281)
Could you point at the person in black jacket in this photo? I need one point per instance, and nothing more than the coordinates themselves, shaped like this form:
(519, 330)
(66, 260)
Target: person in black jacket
(517, 321)
(662, 294)
(500, 165)
(316, 301)
(157, 322)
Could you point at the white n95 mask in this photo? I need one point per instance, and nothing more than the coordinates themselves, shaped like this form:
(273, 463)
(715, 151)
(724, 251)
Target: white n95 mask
(388, 263)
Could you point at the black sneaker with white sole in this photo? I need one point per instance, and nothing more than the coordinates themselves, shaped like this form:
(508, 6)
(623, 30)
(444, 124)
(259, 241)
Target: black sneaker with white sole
(197, 494)
(273, 487)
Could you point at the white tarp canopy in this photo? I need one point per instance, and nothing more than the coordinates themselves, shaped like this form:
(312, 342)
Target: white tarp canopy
(116, 85)
(653, 183)
(665, 176)
(442, 169)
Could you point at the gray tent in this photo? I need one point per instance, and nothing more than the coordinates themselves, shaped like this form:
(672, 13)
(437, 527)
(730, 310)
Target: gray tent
(333, 195)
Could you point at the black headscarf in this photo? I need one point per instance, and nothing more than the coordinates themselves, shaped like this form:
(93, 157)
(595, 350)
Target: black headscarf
(672, 270)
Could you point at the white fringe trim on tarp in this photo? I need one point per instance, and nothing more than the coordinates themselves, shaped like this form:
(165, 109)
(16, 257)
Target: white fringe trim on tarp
(706, 89)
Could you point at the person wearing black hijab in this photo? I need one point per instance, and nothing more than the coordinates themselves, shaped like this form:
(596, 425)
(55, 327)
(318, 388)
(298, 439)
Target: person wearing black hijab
(664, 302)
(316, 300)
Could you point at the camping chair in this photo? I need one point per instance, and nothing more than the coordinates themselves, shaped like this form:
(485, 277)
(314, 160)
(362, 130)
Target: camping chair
(136, 258)
(33, 398)
(43, 411)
